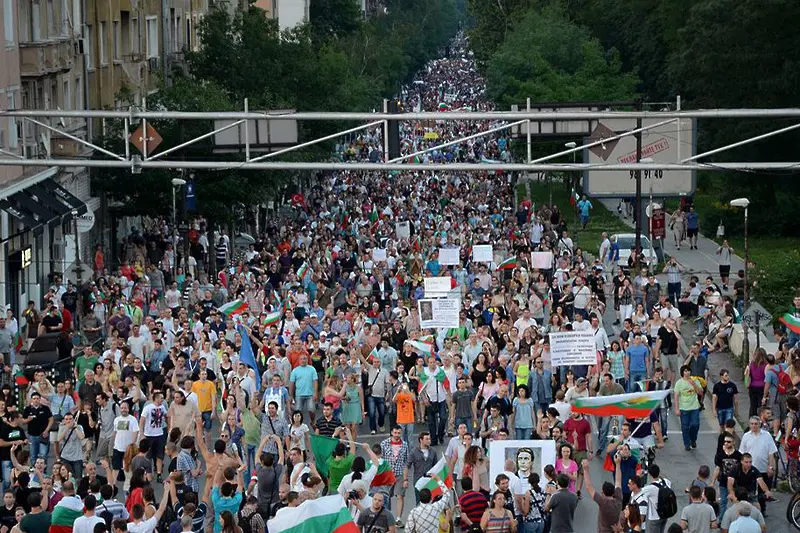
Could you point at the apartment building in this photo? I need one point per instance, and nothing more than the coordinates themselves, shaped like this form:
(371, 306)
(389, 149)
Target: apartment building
(132, 44)
(43, 69)
(288, 13)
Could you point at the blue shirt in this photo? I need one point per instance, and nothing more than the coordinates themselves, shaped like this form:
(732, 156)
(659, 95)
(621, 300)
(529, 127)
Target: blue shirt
(771, 378)
(636, 354)
(691, 220)
(584, 206)
(222, 503)
(303, 378)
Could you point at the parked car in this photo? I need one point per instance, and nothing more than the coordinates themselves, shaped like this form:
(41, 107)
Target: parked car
(627, 242)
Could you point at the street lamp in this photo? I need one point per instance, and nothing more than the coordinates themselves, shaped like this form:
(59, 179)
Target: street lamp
(571, 145)
(176, 184)
(744, 203)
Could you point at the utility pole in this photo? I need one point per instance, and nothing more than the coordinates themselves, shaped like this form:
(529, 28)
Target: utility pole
(637, 209)
(78, 267)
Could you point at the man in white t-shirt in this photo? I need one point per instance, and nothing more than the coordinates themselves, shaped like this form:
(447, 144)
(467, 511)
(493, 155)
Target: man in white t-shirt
(137, 343)
(153, 428)
(86, 523)
(525, 321)
(139, 524)
(760, 445)
(126, 428)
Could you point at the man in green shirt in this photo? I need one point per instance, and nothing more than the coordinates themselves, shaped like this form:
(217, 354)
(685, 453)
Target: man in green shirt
(339, 465)
(688, 394)
(84, 363)
(37, 520)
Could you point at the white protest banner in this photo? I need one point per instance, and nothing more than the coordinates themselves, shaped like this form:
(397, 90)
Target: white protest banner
(403, 229)
(378, 255)
(437, 287)
(439, 312)
(573, 348)
(542, 260)
(449, 256)
(482, 253)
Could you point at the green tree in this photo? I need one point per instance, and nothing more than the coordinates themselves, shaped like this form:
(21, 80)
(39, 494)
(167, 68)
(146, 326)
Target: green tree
(335, 18)
(492, 22)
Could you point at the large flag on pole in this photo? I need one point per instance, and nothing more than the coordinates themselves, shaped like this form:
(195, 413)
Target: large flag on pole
(633, 405)
(440, 469)
(422, 347)
(791, 322)
(236, 307)
(247, 356)
(322, 447)
(323, 515)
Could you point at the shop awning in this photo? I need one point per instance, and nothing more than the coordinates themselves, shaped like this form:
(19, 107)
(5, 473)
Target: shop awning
(41, 204)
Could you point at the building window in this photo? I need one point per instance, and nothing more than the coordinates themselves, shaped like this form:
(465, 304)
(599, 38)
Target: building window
(135, 36)
(50, 15)
(8, 22)
(78, 94)
(152, 36)
(65, 18)
(101, 39)
(67, 94)
(115, 37)
(89, 47)
(13, 136)
(36, 22)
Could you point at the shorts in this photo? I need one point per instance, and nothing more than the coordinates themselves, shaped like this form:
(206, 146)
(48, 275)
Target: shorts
(397, 489)
(116, 459)
(105, 447)
(53, 437)
(157, 445)
(692, 232)
(724, 271)
(669, 361)
(579, 457)
(305, 404)
(778, 406)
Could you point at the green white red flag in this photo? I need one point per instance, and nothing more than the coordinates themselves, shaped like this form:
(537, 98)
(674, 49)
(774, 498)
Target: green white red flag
(791, 322)
(385, 476)
(302, 271)
(633, 405)
(440, 376)
(235, 307)
(328, 514)
(508, 264)
(273, 319)
(422, 347)
(440, 469)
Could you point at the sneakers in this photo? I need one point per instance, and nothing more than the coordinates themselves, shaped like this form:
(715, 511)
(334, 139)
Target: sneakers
(372, 432)
(694, 445)
(399, 523)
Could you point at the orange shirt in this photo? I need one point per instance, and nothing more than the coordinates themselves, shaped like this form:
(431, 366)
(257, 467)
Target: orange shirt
(405, 408)
(294, 356)
(205, 392)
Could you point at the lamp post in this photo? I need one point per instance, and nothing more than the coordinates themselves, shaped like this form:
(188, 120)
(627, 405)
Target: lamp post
(176, 184)
(570, 145)
(649, 217)
(78, 266)
(744, 202)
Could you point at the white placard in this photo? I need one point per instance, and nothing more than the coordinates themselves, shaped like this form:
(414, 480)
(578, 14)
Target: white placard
(437, 287)
(544, 453)
(403, 229)
(542, 260)
(378, 255)
(573, 348)
(449, 256)
(482, 253)
(439, 312)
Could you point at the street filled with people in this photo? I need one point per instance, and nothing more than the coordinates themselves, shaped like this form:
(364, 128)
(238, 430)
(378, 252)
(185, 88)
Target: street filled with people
(265, 389)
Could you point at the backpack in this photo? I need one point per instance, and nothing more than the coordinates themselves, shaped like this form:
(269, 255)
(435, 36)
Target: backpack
(667, 503)
(244, 522)
(784, 384)
(107, 516)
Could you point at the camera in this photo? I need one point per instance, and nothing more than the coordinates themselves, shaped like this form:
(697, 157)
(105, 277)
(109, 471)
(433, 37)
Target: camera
(353, 495)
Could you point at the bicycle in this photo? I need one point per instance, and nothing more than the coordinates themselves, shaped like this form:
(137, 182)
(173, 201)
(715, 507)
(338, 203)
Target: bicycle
(793, 511)
(788, 468)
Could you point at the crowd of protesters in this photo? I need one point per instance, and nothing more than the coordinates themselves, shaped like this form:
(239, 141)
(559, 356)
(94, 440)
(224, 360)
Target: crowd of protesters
(338, 349)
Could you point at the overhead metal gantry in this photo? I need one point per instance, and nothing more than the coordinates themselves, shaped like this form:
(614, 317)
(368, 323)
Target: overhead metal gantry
(499, 120)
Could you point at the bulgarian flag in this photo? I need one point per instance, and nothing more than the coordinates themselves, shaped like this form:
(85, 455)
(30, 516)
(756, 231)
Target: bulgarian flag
(328, 514)
(440, 469)
(272, 318)
(444, 106)
(17, 342)
(634, 405)
(422, 347)
(791, 322)
(303, 270)
(385, 476)
(65, 513)
(235, 307)
(427, 339)
(508, 264)
(322, 447)
(373, 354)
(440, 376)
(573, 198)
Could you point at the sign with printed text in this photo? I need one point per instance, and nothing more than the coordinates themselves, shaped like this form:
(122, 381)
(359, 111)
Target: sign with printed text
(437, 287)
(439, 312)
(403, 229)
(573, 348)
(449, 256)
(482, 253)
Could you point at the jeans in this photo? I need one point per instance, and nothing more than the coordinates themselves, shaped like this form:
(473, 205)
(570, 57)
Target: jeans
(723, 415)
(465, 420)
(7, 467)
(437, 420)
(656, 526)
(40, 447)
(523, 433)
(251, 457)
(723, 498)
(690, 425)
(206, 416)
(603, 427)
(794, 339)
(634, 377)
(408, 431)
(533, 527)
(674, 292)
(663, 420)
(75, 466)
(376, 406)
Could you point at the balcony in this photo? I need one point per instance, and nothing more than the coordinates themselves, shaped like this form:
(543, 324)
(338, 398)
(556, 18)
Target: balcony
(46, 57)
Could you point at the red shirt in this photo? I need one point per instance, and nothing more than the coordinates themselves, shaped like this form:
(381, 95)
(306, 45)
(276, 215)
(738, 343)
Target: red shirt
(66, 320)
(580, 426)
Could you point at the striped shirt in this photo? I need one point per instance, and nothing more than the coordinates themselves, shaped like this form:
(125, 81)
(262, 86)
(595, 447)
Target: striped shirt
(473, 504)
(673, 274)
(327, 427)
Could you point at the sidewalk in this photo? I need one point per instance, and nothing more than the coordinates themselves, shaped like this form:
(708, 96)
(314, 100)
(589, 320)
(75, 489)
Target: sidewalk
(700, 262)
